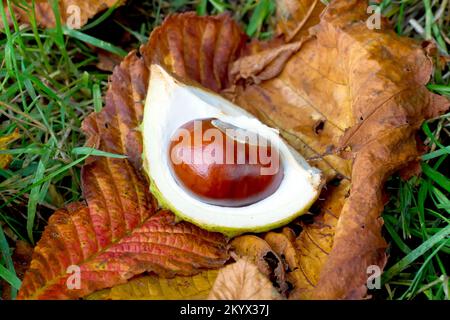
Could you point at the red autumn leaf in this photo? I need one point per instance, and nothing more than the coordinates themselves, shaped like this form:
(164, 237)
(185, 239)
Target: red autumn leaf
(72, 239)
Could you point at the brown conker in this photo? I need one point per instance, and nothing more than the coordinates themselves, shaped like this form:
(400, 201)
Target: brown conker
(219, 169)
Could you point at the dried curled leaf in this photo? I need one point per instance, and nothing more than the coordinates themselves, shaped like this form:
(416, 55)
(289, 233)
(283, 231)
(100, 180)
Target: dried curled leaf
(5, 159)
(197, 48)
(305, 254)
(74, 13)
(152, 287)
(295, 17)
(242, 280)
(351, 100)
(107, 61)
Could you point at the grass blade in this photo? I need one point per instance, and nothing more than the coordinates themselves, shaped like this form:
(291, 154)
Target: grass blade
(97, 97)
(416, 253)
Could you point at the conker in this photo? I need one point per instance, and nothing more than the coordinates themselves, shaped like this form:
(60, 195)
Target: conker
(221, 169)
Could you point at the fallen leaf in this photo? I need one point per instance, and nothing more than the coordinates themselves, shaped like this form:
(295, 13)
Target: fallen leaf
(21, 258)
(74, 13)
(197, 48)
(305, 254)
(269, 64)
(242, 280)
(295, 17)
(348, 98)
(152, 287)
(73, 244)
(259, 252)
(365, 90)
(5, 159)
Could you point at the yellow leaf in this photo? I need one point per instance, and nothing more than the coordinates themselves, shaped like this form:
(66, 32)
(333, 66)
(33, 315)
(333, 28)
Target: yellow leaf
(153, 287)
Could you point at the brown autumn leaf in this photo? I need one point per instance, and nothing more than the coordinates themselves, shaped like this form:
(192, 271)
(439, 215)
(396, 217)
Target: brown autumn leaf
(242, 280)
(21, 258)
(295, 17)
(5, 159)
(107, 61)
(351, 100)
(74, 13)
(153, 287)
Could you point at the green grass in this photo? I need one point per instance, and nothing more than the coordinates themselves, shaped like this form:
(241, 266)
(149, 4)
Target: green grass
(417, 216)
(49, 83)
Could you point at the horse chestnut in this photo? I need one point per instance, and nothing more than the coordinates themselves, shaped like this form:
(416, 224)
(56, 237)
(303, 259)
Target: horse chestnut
(219, 167)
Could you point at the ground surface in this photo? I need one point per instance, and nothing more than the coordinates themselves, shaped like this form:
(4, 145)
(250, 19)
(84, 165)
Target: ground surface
(50, 80)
